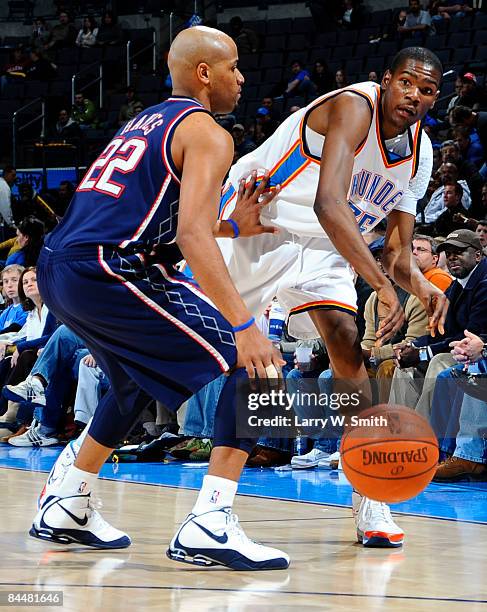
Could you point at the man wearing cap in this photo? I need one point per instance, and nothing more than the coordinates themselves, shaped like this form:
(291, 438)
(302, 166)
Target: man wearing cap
(242, 143)
(468, 310)
(265, 124)
(470, 93)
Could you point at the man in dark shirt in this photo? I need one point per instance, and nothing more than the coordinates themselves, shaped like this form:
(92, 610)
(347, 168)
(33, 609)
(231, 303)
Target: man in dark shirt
(453, 217)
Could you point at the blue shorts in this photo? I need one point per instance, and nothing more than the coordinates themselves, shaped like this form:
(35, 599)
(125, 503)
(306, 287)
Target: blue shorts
(145, 324)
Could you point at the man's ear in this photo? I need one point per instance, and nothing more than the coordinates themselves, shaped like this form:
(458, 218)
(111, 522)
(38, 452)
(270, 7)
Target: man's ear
(436, 99)
(386, 79)
(203, 73)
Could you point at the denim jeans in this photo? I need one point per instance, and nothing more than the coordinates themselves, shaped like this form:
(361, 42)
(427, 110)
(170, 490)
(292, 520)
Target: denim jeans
(471, 437)
(201, 408)
(325, 387)
(92, 384)
(55, 366)
(445, 409)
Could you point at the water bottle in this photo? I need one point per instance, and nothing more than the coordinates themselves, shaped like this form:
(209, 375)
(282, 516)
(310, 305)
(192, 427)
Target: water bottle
(277, 316)
(300, 445)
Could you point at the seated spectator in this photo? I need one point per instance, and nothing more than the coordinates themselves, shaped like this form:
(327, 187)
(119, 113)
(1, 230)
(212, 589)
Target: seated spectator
(322, 77)
(30, 237)
(477, 213)
(446, 9)
(227, 120)
(300, 82)
(373, 76)
(39, 326)
(481, 231)
(471, 95)
(66, 127)
(245, 38)
(128, 110)
(63, 197)
(268, 102)
(28, 204)
(417, 23)
(466, 452)
(467, 310)
(109, 32)
(340, 79)
(453, 218)
(473, 120)
(12, 318)
(62, 35)
(39, 68)
(454, 101)
(448, 174)
(352, 16)
(242, 143)
(424, 252)
(88, 33)
(469, 144)
(83, 111)
(41, 34)
(264, 125)
(450, 152)
(379, 356)
(14, 69)
(47, 385)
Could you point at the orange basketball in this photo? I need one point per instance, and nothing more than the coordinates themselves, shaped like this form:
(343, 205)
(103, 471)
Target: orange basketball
(390, 453)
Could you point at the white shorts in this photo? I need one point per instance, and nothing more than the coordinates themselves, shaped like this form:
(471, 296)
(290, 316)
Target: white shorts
(303, 272)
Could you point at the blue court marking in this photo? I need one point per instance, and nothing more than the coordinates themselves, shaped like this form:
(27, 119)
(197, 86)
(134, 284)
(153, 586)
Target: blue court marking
(465, 502)
(179, 587)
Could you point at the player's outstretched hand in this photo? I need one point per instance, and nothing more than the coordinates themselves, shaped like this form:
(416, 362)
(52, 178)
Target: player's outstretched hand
(436, 305)
(257, 354)
(251, 199)
(391, 315)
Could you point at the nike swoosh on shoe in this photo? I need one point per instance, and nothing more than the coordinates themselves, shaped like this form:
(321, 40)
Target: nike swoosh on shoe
(220, 539)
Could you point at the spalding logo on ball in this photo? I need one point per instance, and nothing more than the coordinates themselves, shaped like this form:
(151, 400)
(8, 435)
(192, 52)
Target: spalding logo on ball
(390, 453)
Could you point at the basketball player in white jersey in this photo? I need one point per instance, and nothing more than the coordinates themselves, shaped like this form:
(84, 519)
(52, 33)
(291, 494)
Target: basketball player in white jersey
(349, 159)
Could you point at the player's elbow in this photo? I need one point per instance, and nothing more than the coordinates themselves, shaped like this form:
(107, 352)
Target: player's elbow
(323, 211)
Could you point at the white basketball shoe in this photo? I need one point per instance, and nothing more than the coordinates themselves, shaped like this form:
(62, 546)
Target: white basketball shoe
(216, 538)
(62, 465)
(375, 527)
(74, 520)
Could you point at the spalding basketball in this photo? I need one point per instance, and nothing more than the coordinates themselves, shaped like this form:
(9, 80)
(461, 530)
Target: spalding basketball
(389, 453)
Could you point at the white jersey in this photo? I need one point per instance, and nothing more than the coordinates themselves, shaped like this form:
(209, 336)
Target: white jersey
(386, 176)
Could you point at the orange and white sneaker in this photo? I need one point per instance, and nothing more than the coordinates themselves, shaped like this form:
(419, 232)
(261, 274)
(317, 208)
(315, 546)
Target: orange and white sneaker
(375, 527)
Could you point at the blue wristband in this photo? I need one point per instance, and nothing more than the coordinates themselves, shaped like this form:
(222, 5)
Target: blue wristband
(236, 231)
(245, 325)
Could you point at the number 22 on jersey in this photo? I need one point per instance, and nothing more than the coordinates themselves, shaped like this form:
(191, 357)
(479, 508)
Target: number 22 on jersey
(121, 156)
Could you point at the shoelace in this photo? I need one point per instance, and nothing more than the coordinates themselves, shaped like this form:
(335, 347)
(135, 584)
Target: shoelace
(234, 528)
(378, 509)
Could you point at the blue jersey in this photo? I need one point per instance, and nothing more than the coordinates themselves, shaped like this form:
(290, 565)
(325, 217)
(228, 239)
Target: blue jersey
(129, 198)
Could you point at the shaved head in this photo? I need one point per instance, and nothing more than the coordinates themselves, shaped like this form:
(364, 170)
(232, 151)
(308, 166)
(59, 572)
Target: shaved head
(203, 65)
(196, 46)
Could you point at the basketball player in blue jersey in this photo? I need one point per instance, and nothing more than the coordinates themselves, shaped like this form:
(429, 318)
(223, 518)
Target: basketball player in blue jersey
(351, 158)
(149, 199)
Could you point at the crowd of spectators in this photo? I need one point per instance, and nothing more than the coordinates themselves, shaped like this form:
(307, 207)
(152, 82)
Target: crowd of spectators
(51, 385)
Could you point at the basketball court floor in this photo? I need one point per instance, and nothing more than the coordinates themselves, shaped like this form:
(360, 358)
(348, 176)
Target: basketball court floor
(442, 566)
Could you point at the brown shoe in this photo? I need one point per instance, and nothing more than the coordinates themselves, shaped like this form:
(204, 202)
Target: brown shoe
(268, 457)
(456, 468)
(19, 432)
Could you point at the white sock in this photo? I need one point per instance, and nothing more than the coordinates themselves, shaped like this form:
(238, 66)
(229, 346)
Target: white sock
(215, 493)
(77, 482)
